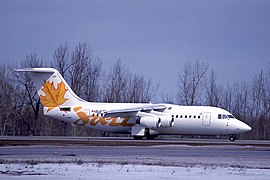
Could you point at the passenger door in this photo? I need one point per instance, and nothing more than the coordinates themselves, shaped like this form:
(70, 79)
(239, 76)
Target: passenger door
(206, 120)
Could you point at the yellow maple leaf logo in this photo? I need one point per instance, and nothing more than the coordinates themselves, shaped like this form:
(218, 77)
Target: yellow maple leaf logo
(53, 96)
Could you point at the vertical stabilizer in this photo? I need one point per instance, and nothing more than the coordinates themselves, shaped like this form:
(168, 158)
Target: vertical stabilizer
(52, 89)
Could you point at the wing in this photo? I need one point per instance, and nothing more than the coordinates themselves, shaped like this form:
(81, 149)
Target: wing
(150, 116)
(134, 110)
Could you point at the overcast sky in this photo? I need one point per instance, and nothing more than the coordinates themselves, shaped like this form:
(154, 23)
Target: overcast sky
(153, 38)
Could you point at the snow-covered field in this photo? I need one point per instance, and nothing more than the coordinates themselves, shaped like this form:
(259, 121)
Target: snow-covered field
(65, 171)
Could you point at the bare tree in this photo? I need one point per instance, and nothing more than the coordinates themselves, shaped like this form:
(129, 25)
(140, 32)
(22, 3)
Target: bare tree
(140, 90)
(79, 62)
(236, 99)
(92, 80)
(167, 98)
(257, 93)
(30, 109)
(213, 92)
(122, 86)
(260, 105)
(7, 113)
(60, 59)
(190, 82)
(116, 83)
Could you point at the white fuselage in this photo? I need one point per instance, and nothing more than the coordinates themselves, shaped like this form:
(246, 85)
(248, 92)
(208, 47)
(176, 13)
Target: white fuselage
(201, 120)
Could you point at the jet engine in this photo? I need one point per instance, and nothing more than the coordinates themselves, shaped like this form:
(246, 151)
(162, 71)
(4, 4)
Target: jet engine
(166, 121)
(156, 122)
(150, 122)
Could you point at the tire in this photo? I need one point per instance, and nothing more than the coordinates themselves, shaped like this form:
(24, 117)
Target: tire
(232, 137)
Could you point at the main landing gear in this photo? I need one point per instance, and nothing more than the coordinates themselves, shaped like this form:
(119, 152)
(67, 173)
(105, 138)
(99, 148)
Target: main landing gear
(232, 137)
(147, 135)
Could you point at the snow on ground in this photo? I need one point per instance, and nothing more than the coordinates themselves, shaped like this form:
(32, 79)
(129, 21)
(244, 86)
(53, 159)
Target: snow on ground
(59, 171)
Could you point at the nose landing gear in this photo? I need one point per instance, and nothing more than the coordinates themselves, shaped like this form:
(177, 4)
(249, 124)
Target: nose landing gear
(232, 137)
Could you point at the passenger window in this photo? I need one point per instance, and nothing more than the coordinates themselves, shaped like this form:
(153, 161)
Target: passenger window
(219, 116)
(172, 116)
(185, 116)
(189, 116)
(176, 116)
(181, 116)
(199, 117)
(194, 117)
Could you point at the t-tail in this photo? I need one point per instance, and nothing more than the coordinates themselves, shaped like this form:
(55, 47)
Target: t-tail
(52, 89)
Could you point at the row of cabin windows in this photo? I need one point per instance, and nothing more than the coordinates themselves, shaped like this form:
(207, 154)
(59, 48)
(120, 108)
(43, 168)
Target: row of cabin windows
(186, 116)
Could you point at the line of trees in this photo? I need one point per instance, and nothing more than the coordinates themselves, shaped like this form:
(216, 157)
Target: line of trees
(21, 111)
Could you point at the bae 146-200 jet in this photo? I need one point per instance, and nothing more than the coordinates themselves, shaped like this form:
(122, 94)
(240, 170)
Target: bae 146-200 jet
(139, 119)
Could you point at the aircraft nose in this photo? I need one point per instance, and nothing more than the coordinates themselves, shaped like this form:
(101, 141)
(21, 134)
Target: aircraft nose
(248, 128)
(244, 127)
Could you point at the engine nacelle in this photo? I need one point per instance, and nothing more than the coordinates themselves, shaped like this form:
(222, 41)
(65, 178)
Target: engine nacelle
(167, 121)
(156, 122)
(150, 122)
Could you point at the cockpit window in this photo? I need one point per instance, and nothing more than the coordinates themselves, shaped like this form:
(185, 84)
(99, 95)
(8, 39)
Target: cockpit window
(231, 116)
(223, 116)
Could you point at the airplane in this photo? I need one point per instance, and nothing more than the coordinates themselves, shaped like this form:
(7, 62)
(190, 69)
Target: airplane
(138, 119)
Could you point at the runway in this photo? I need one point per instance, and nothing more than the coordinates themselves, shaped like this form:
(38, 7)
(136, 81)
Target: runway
(121, 141)
(120, 151)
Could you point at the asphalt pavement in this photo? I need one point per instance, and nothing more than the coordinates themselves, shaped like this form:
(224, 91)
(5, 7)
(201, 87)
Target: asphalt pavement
(172, 152)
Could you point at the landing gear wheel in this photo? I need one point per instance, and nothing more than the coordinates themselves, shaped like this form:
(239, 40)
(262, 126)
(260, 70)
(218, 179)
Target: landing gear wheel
(137, 137)
(232, 137)
(148, 135)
